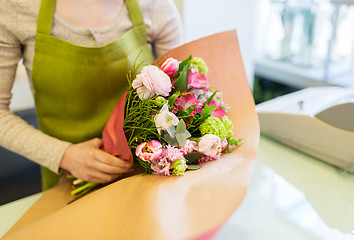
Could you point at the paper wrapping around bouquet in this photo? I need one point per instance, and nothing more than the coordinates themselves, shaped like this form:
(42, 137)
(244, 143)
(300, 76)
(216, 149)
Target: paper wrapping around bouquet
(193, 206)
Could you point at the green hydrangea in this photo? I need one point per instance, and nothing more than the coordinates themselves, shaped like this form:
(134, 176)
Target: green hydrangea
(228, 125)
(213, 125)
(198, 63)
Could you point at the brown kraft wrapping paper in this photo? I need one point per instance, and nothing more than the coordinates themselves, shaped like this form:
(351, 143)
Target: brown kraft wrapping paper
(193, 206)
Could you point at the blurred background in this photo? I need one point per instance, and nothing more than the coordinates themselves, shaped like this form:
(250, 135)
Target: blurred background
(286, 45)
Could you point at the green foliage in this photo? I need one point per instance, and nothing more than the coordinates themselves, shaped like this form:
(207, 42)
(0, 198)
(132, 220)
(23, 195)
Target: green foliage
(181, 133)
(193, 167)
(172, 98)
(181, 84)
(193, 157)
(139, 125)
(232, 142)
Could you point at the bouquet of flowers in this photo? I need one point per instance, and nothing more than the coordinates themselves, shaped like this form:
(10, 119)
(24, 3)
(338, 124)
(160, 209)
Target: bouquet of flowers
(173, 119)
(193, 206)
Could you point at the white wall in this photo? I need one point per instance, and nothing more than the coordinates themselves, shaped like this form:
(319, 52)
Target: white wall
(205, 17)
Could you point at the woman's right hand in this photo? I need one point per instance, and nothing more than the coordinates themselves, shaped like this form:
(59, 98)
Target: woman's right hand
(87, 162)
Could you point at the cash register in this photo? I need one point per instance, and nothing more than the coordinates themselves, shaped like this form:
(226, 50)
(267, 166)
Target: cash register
(316, 120)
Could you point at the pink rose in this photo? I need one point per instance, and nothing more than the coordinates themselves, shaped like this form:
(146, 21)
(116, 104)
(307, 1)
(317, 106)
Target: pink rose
(149, 151)
(152, 81)
(170, 66)
(197, 80)
(210, 145)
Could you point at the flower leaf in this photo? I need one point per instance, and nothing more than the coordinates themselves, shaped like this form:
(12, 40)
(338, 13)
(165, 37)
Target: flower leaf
(206, 112)
(184, 63)
(172, 141)
(181, 84)
(181, 139)
(181, 127)
(171, 131)
(172, 98)
(193, 157)
(212, 96)
(234, 142)
(190, 109)
(186, 134)
(194, 167)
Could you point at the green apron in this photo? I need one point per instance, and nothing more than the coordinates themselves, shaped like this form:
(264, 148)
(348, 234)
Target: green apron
(76, 88)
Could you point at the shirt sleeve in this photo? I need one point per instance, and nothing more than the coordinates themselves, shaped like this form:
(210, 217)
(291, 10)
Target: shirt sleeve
(165, 31)
(15, 134)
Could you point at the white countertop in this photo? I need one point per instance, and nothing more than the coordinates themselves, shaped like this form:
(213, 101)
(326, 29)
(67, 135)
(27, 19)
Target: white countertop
(291, 196)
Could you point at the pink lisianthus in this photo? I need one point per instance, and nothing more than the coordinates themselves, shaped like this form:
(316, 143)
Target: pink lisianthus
(165, 119)
(197, 79)
(210, 145)
(149, 151)
(189, 147)
(224, 144)
(170, 66)
(152, 81)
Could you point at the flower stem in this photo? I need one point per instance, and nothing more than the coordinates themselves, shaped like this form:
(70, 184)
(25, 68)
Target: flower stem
(83, 187)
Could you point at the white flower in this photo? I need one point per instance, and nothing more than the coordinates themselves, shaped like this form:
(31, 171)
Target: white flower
(165, 119)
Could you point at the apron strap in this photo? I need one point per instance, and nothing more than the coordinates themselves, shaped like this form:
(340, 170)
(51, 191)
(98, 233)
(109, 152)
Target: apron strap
(47, 10)
(136, 16)
(46, 16)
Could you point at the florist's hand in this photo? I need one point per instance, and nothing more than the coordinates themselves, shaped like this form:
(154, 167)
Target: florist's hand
(87, 162)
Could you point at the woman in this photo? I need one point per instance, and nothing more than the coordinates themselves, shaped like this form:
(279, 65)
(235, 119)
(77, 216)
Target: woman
(76, 53)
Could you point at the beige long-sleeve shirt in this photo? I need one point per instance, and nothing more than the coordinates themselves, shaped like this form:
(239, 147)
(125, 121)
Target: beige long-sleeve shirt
(18, 23)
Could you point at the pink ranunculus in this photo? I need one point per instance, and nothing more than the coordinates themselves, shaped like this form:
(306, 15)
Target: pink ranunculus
(152, 81)
(210, 145)
(149, 151)
(224, 144)
(189, 147)
(197, 80)
(170, 66)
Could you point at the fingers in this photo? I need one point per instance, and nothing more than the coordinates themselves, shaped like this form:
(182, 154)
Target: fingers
(108, 169)
(96, 142)
(99, 177)
(109, 159)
